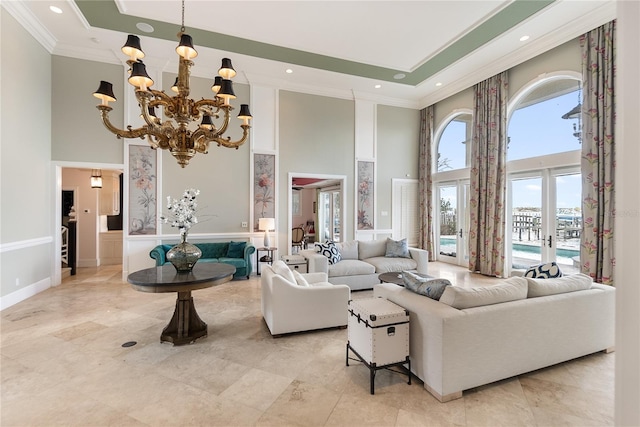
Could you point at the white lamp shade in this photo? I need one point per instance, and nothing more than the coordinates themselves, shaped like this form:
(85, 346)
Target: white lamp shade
(266, 224)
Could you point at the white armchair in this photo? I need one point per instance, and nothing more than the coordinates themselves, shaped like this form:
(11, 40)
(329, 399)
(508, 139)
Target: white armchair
(289, 307)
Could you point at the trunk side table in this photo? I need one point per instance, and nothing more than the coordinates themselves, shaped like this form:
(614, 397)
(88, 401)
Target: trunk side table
(378, 333)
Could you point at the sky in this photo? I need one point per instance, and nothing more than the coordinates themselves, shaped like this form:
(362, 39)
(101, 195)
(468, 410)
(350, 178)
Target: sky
(535, 130)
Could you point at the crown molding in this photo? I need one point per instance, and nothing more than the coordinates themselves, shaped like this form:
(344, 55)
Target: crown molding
(88, 54)
(30, 23)
(570, 31)
(349, 94)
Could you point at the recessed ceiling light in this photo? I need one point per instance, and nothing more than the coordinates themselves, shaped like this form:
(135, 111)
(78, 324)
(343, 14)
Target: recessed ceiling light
(288, 71)
(439, 84)
(524, 38)
(378, 86)
(144, 27)
(399, 76)
(55, 9)
(95, 40)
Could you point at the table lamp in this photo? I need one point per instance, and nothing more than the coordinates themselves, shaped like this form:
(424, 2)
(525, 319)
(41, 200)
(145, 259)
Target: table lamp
(266, 224)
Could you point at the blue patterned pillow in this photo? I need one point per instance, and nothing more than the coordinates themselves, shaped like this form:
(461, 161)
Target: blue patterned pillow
(330, 250)
(549, 270)
(397, 248)
(236, 249)
(427, 286)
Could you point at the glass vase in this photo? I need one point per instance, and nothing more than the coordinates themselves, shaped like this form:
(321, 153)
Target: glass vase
(184, 255)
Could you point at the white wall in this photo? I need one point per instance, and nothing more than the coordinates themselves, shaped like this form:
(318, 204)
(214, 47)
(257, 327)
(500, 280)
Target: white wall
(627, 388)
(25, 146)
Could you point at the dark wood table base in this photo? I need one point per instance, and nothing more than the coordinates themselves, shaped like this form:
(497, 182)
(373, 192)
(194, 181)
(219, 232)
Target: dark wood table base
(185, 326)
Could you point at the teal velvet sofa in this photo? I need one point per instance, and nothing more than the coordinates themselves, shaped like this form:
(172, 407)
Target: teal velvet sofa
(237, 254)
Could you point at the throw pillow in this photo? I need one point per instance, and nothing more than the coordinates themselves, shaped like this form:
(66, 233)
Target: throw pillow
(330, 250)
(429, 287)
(514, 288)
(300, 280)
(397, 248)
(236, 249)
(544, 271)
(559, 285)
(279, 267)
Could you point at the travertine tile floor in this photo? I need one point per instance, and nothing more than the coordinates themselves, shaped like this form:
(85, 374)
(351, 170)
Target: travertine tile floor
(62, 363)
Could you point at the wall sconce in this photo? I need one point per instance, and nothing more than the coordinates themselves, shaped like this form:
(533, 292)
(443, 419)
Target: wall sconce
(96, 178)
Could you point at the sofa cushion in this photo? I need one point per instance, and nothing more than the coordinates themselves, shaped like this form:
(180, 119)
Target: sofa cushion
(236, 249)
(330, 250)
(397, 248)
(514, 288)
(544, 271)
(371, 248)
(560, 285)
(213, 250)
(236, 262)
(383, 264)
(279, 267)
(300, 280)
(350, 267)
(348, 250)
(427, 286)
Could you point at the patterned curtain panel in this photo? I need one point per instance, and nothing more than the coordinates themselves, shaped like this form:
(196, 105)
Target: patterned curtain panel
(425, 186)
(488, 177)
(598, 153)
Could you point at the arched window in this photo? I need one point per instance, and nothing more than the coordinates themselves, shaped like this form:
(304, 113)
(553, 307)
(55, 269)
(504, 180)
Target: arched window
(546, 120)
(544, 180)
(454, 144)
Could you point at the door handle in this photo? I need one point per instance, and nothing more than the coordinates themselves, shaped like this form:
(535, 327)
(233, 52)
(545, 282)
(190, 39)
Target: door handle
(460, 232)
(550, 241)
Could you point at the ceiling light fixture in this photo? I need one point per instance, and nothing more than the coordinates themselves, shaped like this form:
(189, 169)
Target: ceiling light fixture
(96, 178)
(174, 134)
(378, 86)
(524, 38)
(399, 76)
(144, 27)
(439, 84)
(288, 71)
(55, 9)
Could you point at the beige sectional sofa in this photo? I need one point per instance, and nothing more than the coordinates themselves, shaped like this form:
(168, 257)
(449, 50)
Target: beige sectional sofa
(362, 262)
(454, 349)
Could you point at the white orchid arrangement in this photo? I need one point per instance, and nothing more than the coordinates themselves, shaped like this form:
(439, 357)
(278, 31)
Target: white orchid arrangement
(182, 211)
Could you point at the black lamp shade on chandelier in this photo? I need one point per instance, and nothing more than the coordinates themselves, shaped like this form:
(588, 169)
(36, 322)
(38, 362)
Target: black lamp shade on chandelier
(179, 111)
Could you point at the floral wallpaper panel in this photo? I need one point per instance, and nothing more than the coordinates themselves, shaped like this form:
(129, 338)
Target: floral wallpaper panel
(143, 187)
(263, 187)
(365, 195)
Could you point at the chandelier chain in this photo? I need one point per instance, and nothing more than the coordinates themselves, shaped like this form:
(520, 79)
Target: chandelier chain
(182, 24)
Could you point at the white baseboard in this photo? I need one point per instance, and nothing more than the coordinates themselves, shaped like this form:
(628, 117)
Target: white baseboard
(24, 293)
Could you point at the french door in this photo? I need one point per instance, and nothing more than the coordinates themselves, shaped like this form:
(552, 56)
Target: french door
(329, 215)
(452, 242)
(545, 218)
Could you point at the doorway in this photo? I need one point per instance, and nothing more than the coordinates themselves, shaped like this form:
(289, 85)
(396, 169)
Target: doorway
(315, 203)
(453, 222)
(92, 223)
(546, 218)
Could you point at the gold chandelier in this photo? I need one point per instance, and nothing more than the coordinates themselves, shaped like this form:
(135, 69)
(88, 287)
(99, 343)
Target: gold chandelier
(174, 135)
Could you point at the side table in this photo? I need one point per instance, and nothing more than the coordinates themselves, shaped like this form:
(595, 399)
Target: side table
(268, 257)
(378, 333)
